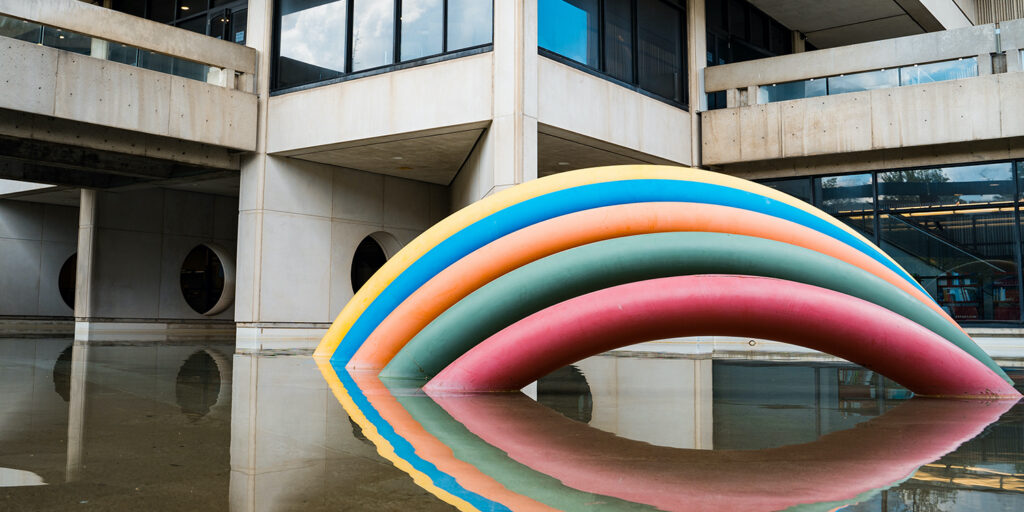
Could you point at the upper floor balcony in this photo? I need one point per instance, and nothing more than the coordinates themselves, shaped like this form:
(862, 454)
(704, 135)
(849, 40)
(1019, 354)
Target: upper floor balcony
(954, 86)
(81, 63)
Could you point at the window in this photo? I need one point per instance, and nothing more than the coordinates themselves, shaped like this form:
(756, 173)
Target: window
(641, 43)
(955, 229)
(738, 32)
(325, 40)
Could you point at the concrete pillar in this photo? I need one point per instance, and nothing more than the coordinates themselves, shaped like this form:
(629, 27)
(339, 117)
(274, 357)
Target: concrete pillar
(697, 42)
(76, 410)
(86, 240)
(507, 153)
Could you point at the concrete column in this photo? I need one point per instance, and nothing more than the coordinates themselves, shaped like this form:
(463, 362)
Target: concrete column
(76, 410)
(515, 92)
(86, 240)
(697, 42)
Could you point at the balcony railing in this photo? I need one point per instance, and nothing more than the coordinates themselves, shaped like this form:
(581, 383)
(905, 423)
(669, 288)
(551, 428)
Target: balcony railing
(911, 60)
(105, 34)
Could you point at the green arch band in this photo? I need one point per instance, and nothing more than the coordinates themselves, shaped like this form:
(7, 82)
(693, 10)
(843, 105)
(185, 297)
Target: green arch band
(608, 263)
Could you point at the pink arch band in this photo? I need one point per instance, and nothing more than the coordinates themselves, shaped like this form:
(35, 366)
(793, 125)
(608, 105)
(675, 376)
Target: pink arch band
(727, 305)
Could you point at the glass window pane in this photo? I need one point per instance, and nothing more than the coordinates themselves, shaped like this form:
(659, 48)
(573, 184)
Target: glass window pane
(421, 28)
(161, 11)
(188, 8)
(738, 18)
(311, 41)
(845, 194)
(197, 25)
(781, 39)
(618, 40)
(791, 90)
(660, 53)
(863, 81)
(469, 23)
(133, 7)
(939, 71)
(239, 21)
(799, 188)
(18, 29)
(948, 186)
(964, 259)
(122, 53)
(156, 61)
(373, 33)
(64, 40)
(569, 28)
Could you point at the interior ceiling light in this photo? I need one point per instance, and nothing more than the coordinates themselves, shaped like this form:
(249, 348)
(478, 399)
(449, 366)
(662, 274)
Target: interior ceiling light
(184, 7)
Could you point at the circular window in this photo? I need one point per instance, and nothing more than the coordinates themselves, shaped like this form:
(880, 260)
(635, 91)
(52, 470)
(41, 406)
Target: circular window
(198, 385)
(369, 257)
(66, 280)
(204, 280)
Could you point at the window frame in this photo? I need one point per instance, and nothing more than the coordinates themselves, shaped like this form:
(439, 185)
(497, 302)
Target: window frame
(396, 64)
(601, 70)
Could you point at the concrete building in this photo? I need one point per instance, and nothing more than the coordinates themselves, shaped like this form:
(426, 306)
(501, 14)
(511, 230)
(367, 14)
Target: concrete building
(238, 168)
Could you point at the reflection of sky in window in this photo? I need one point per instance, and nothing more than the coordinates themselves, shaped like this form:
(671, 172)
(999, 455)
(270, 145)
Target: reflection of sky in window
(939, 71)
(421, 28)
(315, 36)
(373, 33)
(469, 23)
(1000, 176)
(863, 81)
(562, 28)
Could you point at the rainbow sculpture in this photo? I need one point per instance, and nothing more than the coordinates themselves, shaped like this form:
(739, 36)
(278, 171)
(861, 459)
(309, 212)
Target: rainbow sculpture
(557, 269)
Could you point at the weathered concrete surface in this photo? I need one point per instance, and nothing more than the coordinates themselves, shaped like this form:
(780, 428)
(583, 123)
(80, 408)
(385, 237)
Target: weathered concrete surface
(131, 268)
(972, 109)
(35, 241)
(95, 21)
(78, 88)
(591, 106)
(299, 226)
(450, 93)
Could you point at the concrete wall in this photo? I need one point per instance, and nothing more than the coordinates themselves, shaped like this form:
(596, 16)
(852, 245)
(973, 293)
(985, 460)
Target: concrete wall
(65, 85)
(35, 241)
(140, 239)
(450, 93)
(299, 226)
(597, 108)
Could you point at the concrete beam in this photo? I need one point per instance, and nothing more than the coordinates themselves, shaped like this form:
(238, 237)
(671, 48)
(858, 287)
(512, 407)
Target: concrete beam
(971, 109)
(95, 21)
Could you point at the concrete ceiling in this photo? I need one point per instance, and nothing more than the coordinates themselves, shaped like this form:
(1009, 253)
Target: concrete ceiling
(560, 151)
(839, 23)
(433, 158)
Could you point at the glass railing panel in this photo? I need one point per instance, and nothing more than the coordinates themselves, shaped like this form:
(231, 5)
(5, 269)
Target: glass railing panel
(792, 90)
(106, 50)
(939, 71)
(19, 29)
(856, 82)
(68, 41)
(947, 186)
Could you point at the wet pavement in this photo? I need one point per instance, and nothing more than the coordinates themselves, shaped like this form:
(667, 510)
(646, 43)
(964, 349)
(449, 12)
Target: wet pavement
(193, 426)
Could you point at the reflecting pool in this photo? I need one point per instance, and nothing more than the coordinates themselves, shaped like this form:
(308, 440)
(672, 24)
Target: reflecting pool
(194, 426)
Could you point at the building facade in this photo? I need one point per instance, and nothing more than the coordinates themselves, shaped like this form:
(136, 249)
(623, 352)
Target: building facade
(201, 167)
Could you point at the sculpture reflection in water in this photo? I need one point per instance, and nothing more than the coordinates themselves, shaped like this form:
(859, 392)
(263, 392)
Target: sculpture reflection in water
(506, 452)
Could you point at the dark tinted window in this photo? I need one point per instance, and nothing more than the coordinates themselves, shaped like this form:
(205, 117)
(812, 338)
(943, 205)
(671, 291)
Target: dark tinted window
(660, 55)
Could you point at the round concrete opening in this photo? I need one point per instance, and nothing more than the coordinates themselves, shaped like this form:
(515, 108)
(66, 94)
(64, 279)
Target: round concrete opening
(66, 280)
(207, 280)
(369, 257)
